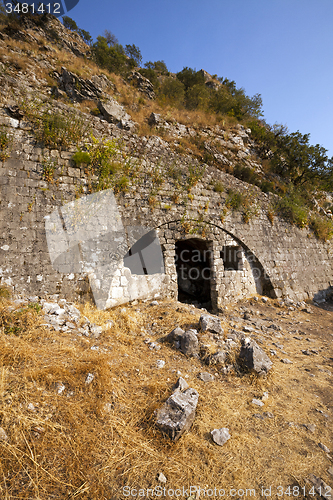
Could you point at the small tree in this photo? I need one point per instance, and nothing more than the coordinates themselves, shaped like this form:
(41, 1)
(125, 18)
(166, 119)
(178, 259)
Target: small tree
(134, 53)
(158, 66)
(190, 77)
(86, 36)
(110, 38)
(69, 23)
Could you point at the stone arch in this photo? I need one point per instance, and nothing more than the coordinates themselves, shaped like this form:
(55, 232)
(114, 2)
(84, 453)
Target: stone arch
(236, 272)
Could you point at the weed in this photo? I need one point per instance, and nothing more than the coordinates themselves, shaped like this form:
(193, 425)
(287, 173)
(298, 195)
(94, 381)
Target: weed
(245, 202)
(175, 197)
(152, 200)
(121, 185)
(5, 141)
(31, 204)
(58, 131)
(270, 216)
(195, 173)
(218, 187)
(234, 199)
(223, 215)
(35, 306)
(81, 158)
(49, 167)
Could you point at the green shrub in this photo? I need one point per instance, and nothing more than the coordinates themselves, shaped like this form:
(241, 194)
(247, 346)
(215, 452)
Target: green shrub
(197, 97)
(158, 66)
(234, 200)
(246, 174)
(189, 77)
(244, 202)
(151, 75)
(218, 187)
(292, 207)
(81, 157)
(112, 58)
(173, 91)
(267, 186)
(322, 227)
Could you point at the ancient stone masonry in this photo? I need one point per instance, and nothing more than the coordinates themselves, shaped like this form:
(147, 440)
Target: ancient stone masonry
(210, 257)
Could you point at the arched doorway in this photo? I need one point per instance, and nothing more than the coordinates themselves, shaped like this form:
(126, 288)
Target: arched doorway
(193, 261)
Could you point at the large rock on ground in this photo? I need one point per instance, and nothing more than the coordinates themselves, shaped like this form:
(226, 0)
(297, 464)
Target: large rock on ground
(254, 357)
(210, 323)
(175, 335)
(189, 343)
(178, 413)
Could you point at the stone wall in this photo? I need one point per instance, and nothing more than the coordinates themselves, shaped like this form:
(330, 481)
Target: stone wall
(276, 259)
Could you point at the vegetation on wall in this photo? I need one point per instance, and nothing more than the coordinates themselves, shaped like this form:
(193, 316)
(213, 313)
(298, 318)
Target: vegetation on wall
(4, 143)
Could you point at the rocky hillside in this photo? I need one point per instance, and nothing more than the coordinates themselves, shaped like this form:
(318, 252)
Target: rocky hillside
(154, 396)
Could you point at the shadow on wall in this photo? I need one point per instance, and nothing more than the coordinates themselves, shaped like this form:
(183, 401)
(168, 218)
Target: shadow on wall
(261, 278)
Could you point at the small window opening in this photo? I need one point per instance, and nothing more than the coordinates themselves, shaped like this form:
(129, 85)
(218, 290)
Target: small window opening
(232, 258)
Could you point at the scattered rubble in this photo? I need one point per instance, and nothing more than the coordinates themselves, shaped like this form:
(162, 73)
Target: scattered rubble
(324, 448)
(206, 377)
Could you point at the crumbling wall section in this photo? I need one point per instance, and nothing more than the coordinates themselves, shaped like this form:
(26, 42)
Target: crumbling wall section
(294, 262)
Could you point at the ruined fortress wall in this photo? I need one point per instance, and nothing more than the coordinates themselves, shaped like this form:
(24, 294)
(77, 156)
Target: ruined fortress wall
(294, 262)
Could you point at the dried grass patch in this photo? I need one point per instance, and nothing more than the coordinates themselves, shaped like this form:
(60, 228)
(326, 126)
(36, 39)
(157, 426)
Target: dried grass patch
(92, 440)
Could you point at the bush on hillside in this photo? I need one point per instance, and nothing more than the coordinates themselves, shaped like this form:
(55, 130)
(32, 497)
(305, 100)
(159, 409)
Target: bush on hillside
(173, 91)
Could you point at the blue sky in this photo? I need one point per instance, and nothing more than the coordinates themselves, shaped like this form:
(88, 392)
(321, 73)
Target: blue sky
(282, 49)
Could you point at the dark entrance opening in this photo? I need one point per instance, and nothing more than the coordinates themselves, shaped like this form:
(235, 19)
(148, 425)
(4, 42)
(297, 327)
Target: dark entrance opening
(193, 264)
(232, 258)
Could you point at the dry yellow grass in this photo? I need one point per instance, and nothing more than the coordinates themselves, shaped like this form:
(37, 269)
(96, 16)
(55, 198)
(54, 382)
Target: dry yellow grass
(92, 440)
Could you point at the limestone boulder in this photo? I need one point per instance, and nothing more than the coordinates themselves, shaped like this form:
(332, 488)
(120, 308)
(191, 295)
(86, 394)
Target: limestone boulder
(178, 413)
(210, 323)
(254, 357)
(189, 343)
